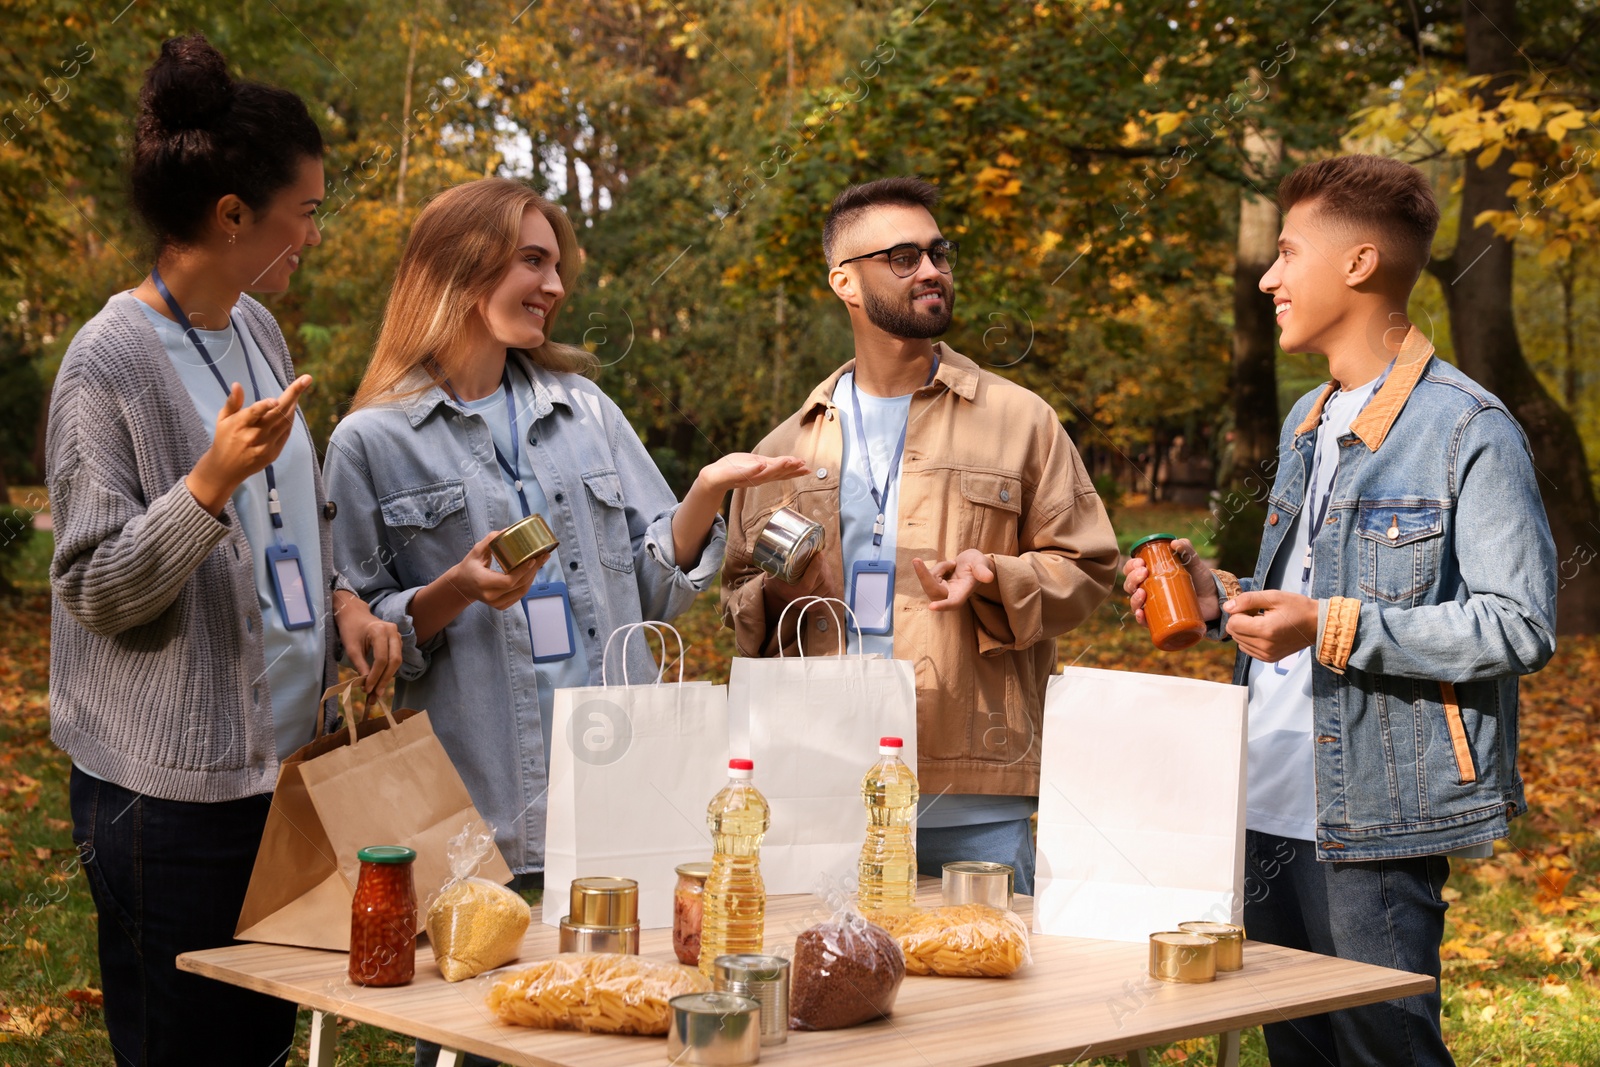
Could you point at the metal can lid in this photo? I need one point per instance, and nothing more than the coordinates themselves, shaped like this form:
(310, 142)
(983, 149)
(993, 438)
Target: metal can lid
(752, 967)
(700, 870)
(1147, 540)
(715, 1004)
(386, 854)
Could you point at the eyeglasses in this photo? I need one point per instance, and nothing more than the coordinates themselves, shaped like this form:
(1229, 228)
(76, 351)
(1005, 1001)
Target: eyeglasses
(905, 259)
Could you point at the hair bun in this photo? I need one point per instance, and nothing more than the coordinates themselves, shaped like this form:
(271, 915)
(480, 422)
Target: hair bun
(189, 86)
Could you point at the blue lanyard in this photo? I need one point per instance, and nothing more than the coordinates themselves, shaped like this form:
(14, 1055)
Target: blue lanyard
(274, 506)
(513, 466)
(879, 499)
(1319, 507)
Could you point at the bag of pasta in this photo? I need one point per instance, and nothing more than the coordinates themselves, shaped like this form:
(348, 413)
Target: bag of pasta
(844, 972)
(960, 940)
(473, 924)
(602, 993)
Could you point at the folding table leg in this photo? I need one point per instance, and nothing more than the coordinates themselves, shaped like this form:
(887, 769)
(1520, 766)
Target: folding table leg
(1139, 1057)
(1228, 1049)
(449, 1057)
(324, 1040)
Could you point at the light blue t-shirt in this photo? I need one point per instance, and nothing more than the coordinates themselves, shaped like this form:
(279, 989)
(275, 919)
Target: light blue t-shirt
(572, 672)
(294, 657)
(883, 418)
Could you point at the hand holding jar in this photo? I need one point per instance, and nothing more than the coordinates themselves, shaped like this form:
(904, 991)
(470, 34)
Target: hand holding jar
(1172, 590)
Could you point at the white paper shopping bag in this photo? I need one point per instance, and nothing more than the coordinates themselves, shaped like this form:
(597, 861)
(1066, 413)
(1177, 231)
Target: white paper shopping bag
(1141, 804)
(812, 724)
(632, 768)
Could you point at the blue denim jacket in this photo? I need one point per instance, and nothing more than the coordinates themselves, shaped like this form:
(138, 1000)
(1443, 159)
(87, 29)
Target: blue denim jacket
(1436, 574)
(417, 486)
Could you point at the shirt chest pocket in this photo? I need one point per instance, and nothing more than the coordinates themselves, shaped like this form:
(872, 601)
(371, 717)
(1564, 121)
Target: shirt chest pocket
(1399, 548)
(991, 505)
(609, 510)
(428, 531)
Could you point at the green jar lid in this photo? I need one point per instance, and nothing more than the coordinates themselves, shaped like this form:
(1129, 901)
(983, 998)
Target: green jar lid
(1153, 537)
(386, 854)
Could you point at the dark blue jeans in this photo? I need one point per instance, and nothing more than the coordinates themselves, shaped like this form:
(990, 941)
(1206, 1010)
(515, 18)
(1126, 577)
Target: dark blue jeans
(169, 877)
(1385, 912)
(995, 842)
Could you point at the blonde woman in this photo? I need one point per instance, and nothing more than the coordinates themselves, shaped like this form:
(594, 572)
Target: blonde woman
(469, 417)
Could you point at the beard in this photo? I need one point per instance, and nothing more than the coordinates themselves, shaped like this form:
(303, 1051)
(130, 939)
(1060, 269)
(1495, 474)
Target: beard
(898, 314)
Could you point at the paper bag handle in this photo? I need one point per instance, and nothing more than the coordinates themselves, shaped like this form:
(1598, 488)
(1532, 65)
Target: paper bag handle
(345, 691)
(658, 628)
(810, 602)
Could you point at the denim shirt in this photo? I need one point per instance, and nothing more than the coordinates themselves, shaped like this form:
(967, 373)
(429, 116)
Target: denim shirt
(417, 485)
(1437, 535)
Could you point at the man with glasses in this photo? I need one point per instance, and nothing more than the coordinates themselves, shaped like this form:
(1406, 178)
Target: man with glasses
(961, 528)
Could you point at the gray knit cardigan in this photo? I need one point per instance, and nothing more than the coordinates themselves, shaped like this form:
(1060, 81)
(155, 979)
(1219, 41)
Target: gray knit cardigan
(157, 673)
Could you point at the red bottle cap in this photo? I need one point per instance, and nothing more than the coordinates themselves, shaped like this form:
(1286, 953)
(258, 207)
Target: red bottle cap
(741, 765)
(891, 742)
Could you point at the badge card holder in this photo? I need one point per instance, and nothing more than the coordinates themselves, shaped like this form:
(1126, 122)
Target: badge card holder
(872, 595)
(289, 587)
(549, 622)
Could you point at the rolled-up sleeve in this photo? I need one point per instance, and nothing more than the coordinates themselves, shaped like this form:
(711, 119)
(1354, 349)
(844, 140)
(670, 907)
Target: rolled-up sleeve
(1065, 568)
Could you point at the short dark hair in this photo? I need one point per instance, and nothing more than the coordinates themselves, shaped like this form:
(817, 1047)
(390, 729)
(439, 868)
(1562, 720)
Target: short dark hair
(202, 135)
(850, 205)
(1371, 191)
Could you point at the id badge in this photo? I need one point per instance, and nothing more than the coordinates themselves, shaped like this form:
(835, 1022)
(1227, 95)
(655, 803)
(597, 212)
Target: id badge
(872, 595)
(289, 587)
(549, 622)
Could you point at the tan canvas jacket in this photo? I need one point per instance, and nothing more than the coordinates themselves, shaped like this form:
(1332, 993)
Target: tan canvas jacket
(987, 465)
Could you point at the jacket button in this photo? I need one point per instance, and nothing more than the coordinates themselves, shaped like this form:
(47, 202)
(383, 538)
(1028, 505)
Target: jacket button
(822, 625)
(573, 565)
(1272, 520)
(822, 472)
(591, 631)
(329, 510)
(1005, 496)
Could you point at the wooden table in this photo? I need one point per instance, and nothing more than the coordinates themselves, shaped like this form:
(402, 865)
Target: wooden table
(1079, 999)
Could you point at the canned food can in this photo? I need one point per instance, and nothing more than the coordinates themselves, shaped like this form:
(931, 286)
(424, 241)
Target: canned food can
(714, 1030)
(1176, 956)
(786, 544)
(766, 980)
(521, 541)
(979, 882)
(1230, 941)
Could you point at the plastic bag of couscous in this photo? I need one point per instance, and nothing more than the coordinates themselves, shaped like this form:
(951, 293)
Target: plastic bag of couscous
(473, 924)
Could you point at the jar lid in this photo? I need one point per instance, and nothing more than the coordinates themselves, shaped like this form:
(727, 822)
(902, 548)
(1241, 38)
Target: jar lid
(700, 870)
(386, 854)
(1147, 540)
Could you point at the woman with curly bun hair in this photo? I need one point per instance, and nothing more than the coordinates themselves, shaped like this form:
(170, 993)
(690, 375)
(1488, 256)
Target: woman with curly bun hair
(193, 576)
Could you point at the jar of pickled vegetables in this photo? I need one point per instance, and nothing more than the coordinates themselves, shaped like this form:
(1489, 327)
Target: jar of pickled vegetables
(688, 911)
(1170, 609)
(383, 918)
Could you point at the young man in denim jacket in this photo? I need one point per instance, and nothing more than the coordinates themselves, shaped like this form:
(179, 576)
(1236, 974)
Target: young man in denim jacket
(1406, 580)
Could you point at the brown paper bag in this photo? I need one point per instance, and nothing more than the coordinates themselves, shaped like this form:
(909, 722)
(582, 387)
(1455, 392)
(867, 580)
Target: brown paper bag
(382, 781)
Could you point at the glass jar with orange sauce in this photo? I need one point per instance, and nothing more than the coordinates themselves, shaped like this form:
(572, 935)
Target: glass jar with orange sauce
(1171, 609)
(383, 918)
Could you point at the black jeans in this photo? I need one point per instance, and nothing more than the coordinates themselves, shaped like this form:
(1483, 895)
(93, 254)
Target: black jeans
(169, 877)
(1385, 912)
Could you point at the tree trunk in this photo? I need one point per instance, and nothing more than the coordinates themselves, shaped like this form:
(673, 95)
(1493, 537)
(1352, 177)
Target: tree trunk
(405, 113)
(1477, 281)
(1253, 379)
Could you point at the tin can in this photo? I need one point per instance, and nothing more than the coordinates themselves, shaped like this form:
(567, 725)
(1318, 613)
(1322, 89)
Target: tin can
(603, 916)
(765, 979)
(786, 544)
(1230, 942)
(979, 882)
(714, 1030)
(521, 541)
(1176, 956)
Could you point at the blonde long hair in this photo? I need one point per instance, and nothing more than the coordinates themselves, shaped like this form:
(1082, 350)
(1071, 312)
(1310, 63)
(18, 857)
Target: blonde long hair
(459, 249)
